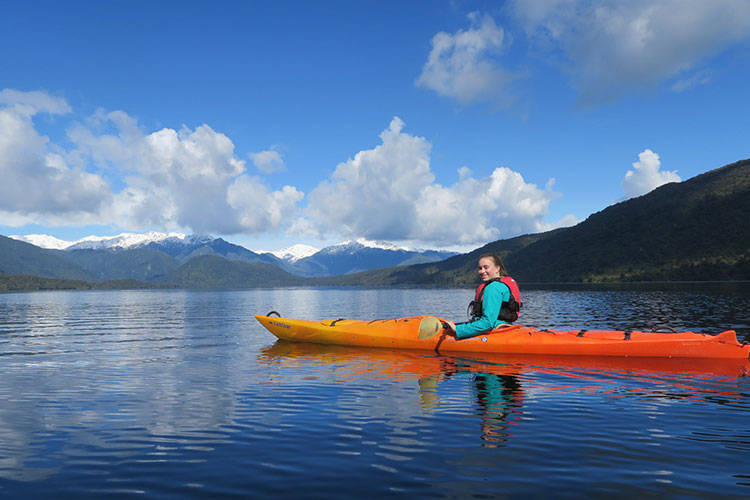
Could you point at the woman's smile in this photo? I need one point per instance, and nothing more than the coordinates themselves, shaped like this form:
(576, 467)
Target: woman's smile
(488, 269)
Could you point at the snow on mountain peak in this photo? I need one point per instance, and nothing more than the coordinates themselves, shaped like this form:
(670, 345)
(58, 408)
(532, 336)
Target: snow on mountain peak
(295, 252)
(121, 241)
(362, 242)
(43, 241)
(383, 245)
(124, 240)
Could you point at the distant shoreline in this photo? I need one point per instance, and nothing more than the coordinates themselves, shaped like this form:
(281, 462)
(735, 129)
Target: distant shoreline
(30, 283)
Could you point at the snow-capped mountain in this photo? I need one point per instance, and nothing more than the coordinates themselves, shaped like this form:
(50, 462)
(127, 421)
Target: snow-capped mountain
(155, 254)
(351, 257)
(121, 241)
(143, 256)
(359, 243)
(295, 252)
(362, 255)
(43, 241)
(134, 240)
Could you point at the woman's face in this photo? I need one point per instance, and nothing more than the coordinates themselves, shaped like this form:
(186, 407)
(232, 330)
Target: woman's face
(488, 269)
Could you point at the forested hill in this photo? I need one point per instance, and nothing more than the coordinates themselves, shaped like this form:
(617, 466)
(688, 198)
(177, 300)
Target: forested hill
(698, 229)
(18, 257)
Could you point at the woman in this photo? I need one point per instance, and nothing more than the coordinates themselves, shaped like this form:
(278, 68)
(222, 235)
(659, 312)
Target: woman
(496, 301)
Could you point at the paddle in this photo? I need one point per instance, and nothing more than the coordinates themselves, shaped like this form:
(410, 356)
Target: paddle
(429, 327)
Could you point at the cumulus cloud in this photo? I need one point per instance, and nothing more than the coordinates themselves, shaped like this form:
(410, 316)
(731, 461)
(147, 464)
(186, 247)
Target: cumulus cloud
(259, 209)
(481, 210)
(614, 46)
(464, 65)
(36, 180)
(646, 176)
(186, 178)
(268, 161)
(118, 174)
(373, 194)
(389, 193)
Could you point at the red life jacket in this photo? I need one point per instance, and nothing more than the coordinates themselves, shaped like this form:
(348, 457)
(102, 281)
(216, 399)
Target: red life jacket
(509, 310)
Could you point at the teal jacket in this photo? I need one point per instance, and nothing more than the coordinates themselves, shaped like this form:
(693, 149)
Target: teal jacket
(494, 295)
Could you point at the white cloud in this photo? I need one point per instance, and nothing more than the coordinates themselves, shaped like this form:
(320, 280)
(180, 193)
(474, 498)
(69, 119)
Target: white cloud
(464, 65)
(36, 180)
(189, 179)
(388, 193)
(481, 210)
(268, 161)
(260, 210)
(646, 176)
(120, 175)
(31, 103)
(373, 194)
(615, 46)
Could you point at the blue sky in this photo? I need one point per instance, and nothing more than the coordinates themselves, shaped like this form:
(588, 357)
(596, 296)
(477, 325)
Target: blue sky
(435, 124)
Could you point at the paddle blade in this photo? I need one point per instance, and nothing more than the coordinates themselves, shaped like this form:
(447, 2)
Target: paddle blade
(429, 327)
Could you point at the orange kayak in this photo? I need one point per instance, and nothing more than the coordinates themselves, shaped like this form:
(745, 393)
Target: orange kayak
(403, 333)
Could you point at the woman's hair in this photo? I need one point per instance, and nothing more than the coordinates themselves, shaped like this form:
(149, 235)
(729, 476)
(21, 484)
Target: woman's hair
(497, 260)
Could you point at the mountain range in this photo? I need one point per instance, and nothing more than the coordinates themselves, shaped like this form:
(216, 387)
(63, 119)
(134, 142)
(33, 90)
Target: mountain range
(695, 230)
(156, 257)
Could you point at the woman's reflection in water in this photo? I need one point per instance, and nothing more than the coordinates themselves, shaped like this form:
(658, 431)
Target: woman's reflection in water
(496, 397)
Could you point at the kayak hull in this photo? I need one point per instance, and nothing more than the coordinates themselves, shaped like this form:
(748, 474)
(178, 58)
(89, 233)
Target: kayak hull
(402, 333)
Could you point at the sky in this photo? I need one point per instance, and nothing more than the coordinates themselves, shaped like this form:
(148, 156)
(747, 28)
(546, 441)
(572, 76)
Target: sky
(430, 124)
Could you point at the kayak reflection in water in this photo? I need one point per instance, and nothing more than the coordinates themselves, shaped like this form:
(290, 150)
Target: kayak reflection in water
(496, 301)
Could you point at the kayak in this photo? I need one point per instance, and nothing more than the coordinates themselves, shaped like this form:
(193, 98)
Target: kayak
(404, 333)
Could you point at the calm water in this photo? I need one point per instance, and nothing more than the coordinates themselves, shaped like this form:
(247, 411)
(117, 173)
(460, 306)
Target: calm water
(179, 394)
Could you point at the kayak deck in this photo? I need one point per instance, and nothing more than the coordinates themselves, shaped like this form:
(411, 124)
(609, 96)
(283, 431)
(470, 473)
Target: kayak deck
(402, 333)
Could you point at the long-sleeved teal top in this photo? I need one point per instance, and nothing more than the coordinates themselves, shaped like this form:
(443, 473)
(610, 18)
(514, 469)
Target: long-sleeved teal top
(494, 295)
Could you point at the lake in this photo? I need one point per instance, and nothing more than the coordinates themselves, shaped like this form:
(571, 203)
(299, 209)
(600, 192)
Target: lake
(182, 394)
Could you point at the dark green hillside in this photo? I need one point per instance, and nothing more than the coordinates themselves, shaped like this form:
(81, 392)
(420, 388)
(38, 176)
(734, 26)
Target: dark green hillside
(141, 264)
(216, 272)
(18, 257)
(25, 282)
(28, 283)
(128, 284)
(695, 230)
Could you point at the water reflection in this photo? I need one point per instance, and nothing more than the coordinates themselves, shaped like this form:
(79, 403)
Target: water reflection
(497, 396)
(704, 378)
(499, 386)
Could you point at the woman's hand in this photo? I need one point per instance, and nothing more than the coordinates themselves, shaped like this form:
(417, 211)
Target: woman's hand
(451, 326)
